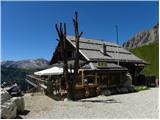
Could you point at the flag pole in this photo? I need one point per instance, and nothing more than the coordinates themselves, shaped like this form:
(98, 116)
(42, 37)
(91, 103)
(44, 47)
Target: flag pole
(117, 45)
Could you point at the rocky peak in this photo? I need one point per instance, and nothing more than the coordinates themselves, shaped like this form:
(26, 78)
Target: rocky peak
(143, 38)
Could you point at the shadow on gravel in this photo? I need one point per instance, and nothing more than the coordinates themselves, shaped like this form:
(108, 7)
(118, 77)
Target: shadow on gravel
(24, 113)
(101, 101)
(18, 117)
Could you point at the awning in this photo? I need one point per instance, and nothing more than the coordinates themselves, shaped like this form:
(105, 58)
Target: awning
(51, 71)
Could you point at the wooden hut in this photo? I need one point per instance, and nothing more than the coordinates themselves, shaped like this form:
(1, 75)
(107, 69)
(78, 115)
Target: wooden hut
(102, 64)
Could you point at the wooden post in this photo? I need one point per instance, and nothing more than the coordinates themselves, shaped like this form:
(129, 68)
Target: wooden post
(96, 78)
(27, 87)
(82, 72)
(109, 79)
(120, 78)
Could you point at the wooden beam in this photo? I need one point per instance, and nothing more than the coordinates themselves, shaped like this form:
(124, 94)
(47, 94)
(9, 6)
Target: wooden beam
(108, 80)
(96, 78)
(82, 78)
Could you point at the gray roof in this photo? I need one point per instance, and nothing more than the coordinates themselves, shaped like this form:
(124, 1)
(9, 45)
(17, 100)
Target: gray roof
(91, 49)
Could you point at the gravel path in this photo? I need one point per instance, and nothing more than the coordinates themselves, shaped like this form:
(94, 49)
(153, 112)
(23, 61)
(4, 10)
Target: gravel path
(142, 104)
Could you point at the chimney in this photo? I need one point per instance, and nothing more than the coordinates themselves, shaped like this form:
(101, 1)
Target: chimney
(104, 49)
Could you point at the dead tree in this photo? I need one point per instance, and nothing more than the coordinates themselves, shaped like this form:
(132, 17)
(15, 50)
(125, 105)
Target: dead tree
(76, 62)
(70, 84)
(62, 37)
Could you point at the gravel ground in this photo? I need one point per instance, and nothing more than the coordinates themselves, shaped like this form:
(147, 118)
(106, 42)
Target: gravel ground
(142, 104)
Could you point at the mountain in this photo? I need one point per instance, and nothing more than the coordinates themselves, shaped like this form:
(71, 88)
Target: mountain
(17, 70)
(26, 64)
(149, 53)
(143, 38)
(145, 45)
(9, 75)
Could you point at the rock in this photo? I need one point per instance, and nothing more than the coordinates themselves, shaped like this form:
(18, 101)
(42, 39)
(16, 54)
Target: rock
(4, 96)
(66, 100)
(124, 90)
(19, 101)
(131, 89)
(126, 79)
(118, 90)
(106, 92)
(113, 91)
(8, 110)
(10, 106)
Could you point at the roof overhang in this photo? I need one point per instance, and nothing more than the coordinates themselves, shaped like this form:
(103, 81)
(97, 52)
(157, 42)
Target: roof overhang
(115, 60)
(108, 67)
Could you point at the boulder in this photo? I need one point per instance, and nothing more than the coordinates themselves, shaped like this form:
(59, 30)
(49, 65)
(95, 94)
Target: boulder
(19, 101)
(128, 80)
(113, 91)
(4, 96)
(106, 92)
(118, 90)
(66, 100)
(8, 110)
(124, 90)
(131, 89)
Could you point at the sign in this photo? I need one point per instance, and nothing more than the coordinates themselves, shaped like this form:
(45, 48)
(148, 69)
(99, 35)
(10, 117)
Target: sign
(102, 64)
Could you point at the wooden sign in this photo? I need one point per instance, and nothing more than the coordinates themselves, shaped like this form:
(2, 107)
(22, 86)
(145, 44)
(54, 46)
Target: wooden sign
(102, 64)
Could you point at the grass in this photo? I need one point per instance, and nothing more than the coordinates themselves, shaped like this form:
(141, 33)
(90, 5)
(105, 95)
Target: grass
(141, 88)
(149, 53)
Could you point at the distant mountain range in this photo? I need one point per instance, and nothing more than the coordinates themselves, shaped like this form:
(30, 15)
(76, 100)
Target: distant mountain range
(39, 63)
(143, 38)
(17, 70)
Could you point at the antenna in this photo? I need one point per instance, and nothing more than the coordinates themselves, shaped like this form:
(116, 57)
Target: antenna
(117, 45)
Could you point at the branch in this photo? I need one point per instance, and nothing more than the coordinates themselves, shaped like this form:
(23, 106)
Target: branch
(76, 17)
(64, 38)
(65, 29)
(57, 30)
(80, 34)
(74, 22)
(61, 29)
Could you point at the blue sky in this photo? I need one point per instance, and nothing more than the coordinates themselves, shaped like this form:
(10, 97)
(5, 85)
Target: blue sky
(28, 28)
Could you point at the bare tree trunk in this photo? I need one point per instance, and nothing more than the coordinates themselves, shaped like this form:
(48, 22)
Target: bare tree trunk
(70, 83)
(76, 62)
(62, 37)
